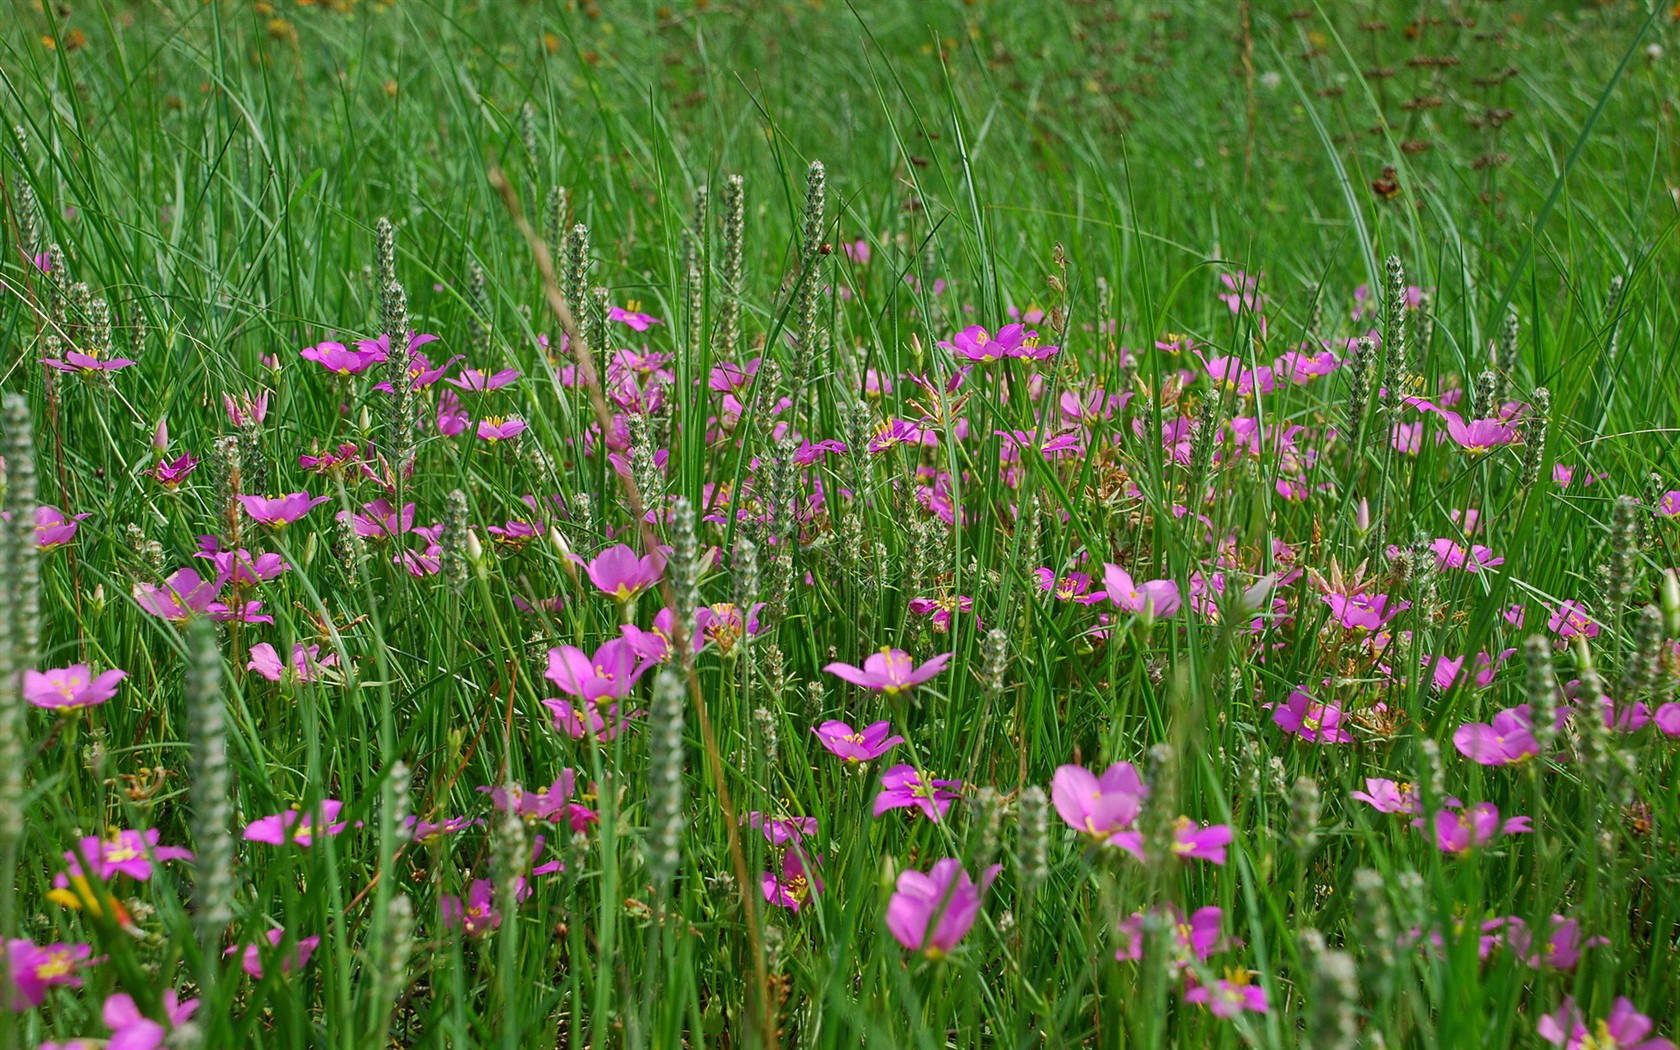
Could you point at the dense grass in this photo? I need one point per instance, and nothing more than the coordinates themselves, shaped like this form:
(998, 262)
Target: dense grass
(216, 173)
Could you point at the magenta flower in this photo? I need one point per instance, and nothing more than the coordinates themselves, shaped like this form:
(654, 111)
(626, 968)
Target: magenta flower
(1190, 841)
(1560, 949)
(1464, 830)
(942, 610)
(307, 664)
(1570, 619)
(1074, 587)
(294, 825)
(36, 967)
(1230, 996)
(723, 625)
(130, 853)
(68, 688)
(246, 411)
(795, 884)
(1098, 806)
(340, 359)
(1479, 435)
(1450, 554)
(239, 566)
(890, 433)
(133, 1030)
(54, 528)
(1668, 719)
(588, 719)
(619, 572)
(1149, 599)
(1387, 796)
(252, 956)
(931, 912)
(475, 916)
(1312, 721)
(779, 831)
(611, 673)
(1363, 612)
(279, 511)
(1197, 936)
(903, 787)
(451, 419)
(974, 343)
(481, 381)
(179, 597)
(499, 429)
(631, 314)
(1625, 1029)
(1507, 741)
(379, 521)
(889, 671)
(171, 473)
(857, 746)
(85, 363)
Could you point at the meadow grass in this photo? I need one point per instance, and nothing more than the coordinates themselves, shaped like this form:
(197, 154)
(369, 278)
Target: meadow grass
(1352, 350)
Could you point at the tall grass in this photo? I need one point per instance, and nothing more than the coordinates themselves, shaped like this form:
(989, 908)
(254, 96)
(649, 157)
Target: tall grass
(216, 174)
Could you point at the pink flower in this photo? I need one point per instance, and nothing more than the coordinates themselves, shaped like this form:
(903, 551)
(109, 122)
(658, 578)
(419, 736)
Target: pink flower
(1450, 554)
(451, 420)
(588, 719)
(340, 359)
(942, 610)
(499, 429)
(251, 958)
(239, 566)
(475, 916)
(85, 363)
(862, 745)
(1197, 936)
(1363, 612)
(630, 314)
(171, 473)
(931, 912)
(1478, 435)
(1098, 807)
(479, 380)
(307, 664)
(280, 511)
(1561, 949)
(1507, 740)
(1190, 841)
(903, 787)
(133, 1030)
(179, 597)
(1668, 719)
(1230, 996)
(379, 521)
(1570, 619)
(247, 411)
(890, 671)
(1074, 587)
(610, 674)
(67, 688)
(294, 825)
(617, 571)
(1150, 599)
(795, 885)
(1314, 722)
(974, 343)
(1625, 1029)
(1386, 796)
(35, 968)
(779, 831)
(891, 433)
(128, 853)
(54, 528)
(1467, 829)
